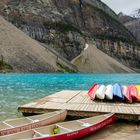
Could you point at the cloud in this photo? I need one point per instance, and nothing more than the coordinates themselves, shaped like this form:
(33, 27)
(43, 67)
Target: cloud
(125, 6)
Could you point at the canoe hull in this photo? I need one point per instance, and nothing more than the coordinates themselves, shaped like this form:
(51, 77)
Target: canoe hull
(57, 118)
(109, 92)
(83, 132)
(133, 92)
(100, 93)
(126, 94)
(92, 91)
(117, 92)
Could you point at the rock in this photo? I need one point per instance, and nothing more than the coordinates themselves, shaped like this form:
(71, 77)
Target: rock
(27, 55)
(132, 23)
(74, 21)
(92, 60)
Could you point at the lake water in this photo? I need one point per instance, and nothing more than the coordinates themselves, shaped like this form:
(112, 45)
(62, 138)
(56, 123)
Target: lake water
(18, 89)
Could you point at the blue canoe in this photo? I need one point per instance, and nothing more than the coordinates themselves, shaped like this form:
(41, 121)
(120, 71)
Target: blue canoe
(117, 92)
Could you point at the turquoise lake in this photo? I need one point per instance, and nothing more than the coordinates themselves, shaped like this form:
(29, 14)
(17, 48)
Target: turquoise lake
(18, 89)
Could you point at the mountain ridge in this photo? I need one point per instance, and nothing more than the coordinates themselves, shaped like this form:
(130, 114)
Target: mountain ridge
(66, 26)
(132, 22)
(136, 13)
(25, 54)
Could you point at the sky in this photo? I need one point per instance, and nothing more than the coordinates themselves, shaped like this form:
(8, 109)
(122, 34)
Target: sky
(125, 6)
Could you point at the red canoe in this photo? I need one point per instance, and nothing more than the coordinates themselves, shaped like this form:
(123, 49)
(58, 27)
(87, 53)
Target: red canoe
(92, 91)
(126, 94)
(65, 131)
(132, 90)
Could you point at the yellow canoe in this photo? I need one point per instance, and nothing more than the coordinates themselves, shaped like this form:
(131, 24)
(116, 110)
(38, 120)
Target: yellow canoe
(138, 88)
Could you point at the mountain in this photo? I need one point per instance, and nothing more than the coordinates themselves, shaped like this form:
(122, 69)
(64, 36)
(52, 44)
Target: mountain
(66, 26)
(94, 60)
(24, 54)
(88, 17)
(134, 27)
(132, 22)
(135, 14)
(125, 18)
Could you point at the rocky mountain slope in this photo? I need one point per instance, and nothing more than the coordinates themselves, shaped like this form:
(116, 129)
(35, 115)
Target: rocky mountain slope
(135, 13)
(37, 17)
(125, 18)
(25, 54)
(89, 61)
(132, 22)
(67, 25)
(134, 27)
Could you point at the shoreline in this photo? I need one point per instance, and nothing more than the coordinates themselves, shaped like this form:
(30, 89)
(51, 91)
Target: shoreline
(122, 130)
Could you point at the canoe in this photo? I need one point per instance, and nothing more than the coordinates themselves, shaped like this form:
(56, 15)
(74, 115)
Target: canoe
(133, 92)
(26, 123)
(126, 94)
(117, 92)
(109, 92)
(138, 89)
(65, 131)
(100, 93)
(92, 91)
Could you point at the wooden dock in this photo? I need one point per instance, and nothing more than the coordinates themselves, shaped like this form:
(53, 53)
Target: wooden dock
(79, 104)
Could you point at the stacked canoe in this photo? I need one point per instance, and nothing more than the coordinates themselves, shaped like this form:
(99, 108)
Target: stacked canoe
(115, 92)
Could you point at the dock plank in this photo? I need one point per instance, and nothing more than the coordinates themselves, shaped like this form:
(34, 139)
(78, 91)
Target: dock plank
(78, 103)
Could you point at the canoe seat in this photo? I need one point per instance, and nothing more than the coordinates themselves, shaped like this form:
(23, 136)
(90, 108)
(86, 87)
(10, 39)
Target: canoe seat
(8, 124)
(76, 125)
(4, 125)
(38, 133)
(18, 122)
(84, 123)
(34, 121)
(46, 135)
(63, 127)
